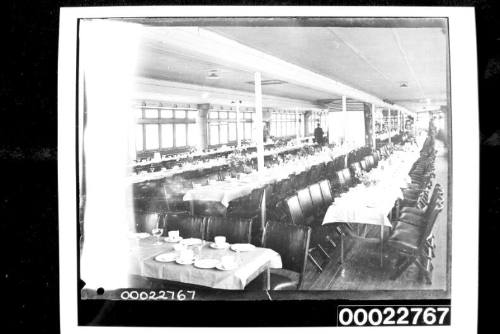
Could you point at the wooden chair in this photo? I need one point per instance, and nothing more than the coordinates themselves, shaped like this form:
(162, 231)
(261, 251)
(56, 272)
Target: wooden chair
(297, 217)
(292, 243)
(326, 192)
(348, 179)
(236, 230)
(146, 222)
(317, 198)
(188, 226)
(410, 244)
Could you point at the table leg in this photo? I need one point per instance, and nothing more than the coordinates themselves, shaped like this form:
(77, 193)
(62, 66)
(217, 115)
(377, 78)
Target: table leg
(382, 245)
(191, 207)
(267, 279)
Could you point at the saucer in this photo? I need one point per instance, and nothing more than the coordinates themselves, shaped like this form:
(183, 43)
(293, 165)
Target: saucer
(168, 239)
(221, 246)
(166, 257)
(221, 267)
(183, 262)
(191, 241)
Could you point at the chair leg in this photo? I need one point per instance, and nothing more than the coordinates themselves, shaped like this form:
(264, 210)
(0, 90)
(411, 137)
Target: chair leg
(313, 260)
(323, 251)
(425, 272)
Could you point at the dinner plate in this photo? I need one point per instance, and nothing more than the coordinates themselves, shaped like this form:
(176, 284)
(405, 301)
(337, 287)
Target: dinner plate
(221, 246)
(183, 262)
(206, 263)
(221, 267)
(242, 247)
(166, 257)
(168, 239)
(191, 241)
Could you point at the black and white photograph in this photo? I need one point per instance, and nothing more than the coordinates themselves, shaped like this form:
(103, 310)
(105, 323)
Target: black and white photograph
(246, 157)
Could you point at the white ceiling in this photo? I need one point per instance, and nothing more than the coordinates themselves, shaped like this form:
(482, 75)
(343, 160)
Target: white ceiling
(375, 60)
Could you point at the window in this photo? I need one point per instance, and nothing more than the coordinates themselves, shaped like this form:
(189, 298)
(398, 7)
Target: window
(192, 114)
(151, 136)
(193, 134)
(151, 113)
(247, 131)
(223, 133)
(167, 135)
(139, 145)
(180, 135)
(214, 134)
(166, 129)
(222, 126)
(285, 124)
(138, 113)
(167, 113)
(180, 114)
(232, 132)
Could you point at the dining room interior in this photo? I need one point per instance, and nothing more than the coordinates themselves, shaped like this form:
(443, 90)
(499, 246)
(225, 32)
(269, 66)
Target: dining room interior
(265, 154)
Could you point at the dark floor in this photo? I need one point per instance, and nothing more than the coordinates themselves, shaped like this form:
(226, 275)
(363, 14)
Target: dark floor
(361, 269)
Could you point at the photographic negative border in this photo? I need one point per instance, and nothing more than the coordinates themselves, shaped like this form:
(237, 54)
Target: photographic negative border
(461, 36)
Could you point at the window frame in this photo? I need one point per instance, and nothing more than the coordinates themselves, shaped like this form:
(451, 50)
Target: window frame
(159, 121)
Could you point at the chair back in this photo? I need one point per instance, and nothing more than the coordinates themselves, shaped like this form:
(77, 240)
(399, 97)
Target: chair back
(364, 164)
(340, 178)
(255, 199)
(294, 210)
(145, 222)
(431, 220)
(371, 160)
(347, 177)
(316, 196)
(236, 230)
(355, 168)
(305, 202)
(291, 242)
(326, 192)
(188, 226)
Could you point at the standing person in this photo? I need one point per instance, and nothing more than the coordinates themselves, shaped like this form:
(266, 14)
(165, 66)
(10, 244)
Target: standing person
(318, 135)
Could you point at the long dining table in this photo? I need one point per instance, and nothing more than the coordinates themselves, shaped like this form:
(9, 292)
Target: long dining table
(232, 188)
(372, 204)
(250, 265)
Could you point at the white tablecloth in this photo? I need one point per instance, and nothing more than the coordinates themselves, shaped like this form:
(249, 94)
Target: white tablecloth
(372, 204)
(252, 263)
(226, 191)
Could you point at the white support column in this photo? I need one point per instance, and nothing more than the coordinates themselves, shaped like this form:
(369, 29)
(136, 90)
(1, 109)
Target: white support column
(238, 121)
(259, 129)
(344, 118)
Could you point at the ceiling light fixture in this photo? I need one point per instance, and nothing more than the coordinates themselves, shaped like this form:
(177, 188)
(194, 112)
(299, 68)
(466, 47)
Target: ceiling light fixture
(213, 75)
(403, 84)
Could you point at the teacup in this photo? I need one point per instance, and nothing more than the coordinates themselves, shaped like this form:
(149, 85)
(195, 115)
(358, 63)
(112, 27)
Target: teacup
(186, 255)
(220, 240)
(173, 235)
(227, 261)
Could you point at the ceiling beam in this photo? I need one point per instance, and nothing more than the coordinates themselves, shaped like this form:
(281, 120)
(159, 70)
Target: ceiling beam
(210, 46)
